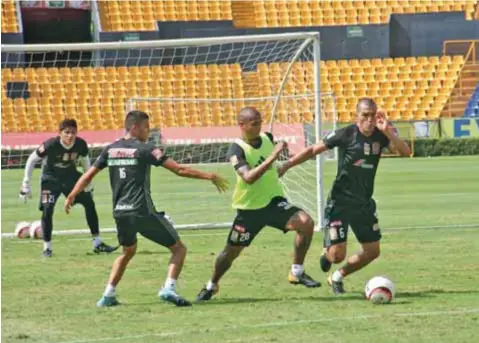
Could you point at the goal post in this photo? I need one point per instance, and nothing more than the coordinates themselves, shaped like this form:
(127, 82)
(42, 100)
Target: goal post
(192, 89)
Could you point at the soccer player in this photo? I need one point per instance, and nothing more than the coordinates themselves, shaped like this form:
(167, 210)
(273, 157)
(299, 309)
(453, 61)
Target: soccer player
(59, 173)
(259, 201)
(350, 202)
(129, 161)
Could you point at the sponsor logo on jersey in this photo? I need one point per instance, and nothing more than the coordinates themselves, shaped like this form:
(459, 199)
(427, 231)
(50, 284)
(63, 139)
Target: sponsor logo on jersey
(126, 162)
(362, 164)
(121, 153)
(123, 207)
(157, 153)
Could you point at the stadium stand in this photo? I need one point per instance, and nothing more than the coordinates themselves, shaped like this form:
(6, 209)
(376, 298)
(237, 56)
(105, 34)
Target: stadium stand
(133, 15)
(408, 88)
(472, 109)
(143, 15)
(9, 17)
(291, 13)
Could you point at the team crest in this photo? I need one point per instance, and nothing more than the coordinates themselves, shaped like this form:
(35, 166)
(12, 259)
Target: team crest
(376, 148)
(73, 156)
(333, 233)
(367, 149)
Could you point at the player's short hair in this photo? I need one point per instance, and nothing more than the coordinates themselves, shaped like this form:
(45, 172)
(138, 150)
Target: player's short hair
(369, 102)
(134, 117)
(66, 123)
(247, 112)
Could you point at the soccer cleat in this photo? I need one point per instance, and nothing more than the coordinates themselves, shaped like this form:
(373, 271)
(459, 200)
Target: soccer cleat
(206, 294)
(303, 279)
(336, 286)
(171, 296)
(324, 263)
(47, 253)
(102, 247)
(107, 301)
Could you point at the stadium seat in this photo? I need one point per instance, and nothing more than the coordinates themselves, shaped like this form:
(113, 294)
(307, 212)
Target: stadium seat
(278, 13)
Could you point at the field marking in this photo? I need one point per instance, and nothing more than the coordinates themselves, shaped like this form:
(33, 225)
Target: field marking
(205, 234)
(279, 323)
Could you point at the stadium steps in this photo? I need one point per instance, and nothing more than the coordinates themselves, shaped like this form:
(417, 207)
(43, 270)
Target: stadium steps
(462, 91)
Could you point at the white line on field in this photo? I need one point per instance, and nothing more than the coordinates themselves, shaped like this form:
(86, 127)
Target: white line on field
(205, 234)
(278, 323)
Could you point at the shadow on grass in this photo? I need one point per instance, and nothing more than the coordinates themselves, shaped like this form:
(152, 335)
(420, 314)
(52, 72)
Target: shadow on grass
(430, 293)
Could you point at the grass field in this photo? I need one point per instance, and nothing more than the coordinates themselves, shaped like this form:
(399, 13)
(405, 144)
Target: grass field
(435, 270)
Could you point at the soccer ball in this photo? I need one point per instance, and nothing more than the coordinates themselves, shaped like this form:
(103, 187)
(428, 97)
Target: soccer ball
(380, 290)
(22, 230)
(36, 230)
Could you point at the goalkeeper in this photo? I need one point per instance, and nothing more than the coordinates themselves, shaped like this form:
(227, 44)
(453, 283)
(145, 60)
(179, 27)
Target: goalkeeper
(59, 175)
(259, 201)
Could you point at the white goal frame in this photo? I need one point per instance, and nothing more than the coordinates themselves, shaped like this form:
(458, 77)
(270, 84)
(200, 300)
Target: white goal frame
(310, 38)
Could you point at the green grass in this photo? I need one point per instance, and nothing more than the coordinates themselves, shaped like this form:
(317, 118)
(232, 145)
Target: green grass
(435, 270)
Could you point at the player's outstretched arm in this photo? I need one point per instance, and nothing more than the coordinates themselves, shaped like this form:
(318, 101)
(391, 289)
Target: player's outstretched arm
(250, 176)
(219, 181)
(81, 184)
(303, 156)
(396, 144)
(25, 190)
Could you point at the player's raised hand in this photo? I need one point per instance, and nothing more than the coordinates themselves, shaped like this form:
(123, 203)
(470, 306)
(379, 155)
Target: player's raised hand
(280, 146)
(25, 191)
(381, 120)
(220, 183)
(69, 203)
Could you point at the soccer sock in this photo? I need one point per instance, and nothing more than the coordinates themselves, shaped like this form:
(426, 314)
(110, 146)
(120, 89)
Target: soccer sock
(110, 291)
(170, 283)
(337, 276)
(47, 245)
(96, 241)
(297, 269)
(210, 286)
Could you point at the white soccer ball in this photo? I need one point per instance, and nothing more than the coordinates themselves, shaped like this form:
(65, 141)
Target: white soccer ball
(380, 290)
(36, 230)
(22, 230)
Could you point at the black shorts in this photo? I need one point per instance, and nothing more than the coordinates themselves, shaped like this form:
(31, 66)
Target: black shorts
(51, 189)
(362, 219)
(155, 227)
(248, 223)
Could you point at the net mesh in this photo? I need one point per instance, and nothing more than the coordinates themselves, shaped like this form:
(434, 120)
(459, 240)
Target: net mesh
(192, 93)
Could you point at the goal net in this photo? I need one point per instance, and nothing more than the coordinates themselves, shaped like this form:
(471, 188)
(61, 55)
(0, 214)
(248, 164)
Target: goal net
(192, 89)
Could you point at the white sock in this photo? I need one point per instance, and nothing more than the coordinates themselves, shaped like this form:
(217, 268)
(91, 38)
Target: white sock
(110, 291)
(96, 241)
(210, 286)
(170, 283)
(337, 276)
(297, 269)
(47, 245)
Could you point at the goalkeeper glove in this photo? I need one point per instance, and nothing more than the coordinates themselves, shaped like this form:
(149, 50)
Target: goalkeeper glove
(25, 191)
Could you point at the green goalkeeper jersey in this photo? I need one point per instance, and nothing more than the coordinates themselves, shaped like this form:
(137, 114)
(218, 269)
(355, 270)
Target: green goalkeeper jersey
(259, 194)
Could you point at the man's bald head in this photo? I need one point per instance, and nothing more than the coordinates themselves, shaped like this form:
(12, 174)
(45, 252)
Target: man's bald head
(366, 105)
(247, 114)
